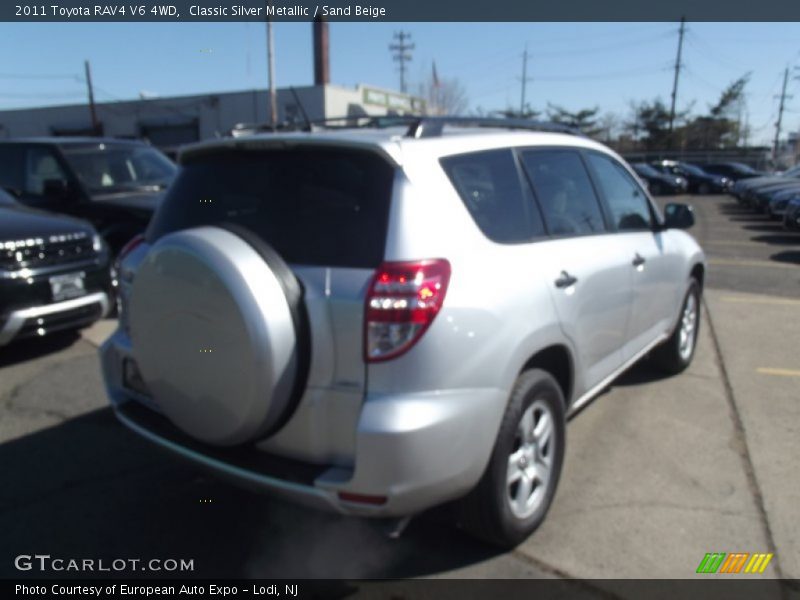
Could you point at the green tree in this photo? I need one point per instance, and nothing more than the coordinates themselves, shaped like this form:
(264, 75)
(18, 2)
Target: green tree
(510, 113)
(721, 127)
(585, 120)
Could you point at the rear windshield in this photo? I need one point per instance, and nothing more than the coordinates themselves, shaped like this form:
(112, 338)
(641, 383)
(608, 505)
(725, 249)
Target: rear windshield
(317, 206)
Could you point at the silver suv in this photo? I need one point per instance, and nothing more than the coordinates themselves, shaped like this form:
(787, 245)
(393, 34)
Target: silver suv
(378, 321)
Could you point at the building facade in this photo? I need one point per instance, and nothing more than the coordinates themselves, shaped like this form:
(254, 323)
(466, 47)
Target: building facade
(168, 122)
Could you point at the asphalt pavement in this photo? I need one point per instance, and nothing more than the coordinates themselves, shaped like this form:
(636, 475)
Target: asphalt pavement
(659, 470)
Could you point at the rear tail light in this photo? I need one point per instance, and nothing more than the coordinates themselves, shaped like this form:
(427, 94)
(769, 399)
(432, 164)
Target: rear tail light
(403, 299)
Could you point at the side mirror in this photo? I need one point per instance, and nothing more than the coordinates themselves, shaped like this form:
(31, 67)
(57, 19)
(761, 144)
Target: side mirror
(56, 188)
(678, 216)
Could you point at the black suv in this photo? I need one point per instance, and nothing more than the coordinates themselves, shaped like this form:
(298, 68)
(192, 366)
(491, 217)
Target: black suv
(54, 272)
(114, 184)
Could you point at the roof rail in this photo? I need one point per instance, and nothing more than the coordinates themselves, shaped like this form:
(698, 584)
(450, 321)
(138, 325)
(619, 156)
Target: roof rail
(417, 126)
(423, 127)
(343, 122)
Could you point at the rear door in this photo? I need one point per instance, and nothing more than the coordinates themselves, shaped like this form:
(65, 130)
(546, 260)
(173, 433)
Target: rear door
(587, 268)
(324, 210)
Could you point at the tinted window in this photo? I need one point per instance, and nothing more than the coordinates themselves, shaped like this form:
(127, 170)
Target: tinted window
(113, 167)
(490, 187)
(12, 167)
(41, 166)
(314, 206)
(564, 191)
(630, 209)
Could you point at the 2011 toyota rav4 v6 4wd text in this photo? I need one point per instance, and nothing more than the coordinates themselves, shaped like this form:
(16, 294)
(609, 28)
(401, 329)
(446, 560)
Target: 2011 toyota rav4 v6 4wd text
(380, 321)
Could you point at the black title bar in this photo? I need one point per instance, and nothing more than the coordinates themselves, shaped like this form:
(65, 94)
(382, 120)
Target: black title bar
(117, 11)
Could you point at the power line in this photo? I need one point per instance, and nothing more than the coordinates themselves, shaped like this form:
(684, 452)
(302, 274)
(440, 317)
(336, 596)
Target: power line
(38, 77)
(401, 54)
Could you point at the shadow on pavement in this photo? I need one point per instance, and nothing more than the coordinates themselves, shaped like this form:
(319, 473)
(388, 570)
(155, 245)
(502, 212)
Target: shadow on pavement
(30, 348)
(752, 218)
(642, 372)
(786, 239)
(788, 256)
(772, 227)
(88, 488)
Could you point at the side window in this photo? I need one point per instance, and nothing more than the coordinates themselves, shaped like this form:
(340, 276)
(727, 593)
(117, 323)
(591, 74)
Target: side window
(490, 187)
(12, 167)
(41, 166)
(564, 191)
(630, 209)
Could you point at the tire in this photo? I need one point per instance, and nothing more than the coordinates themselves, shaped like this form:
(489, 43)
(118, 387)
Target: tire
(675, 354)
(487, 512)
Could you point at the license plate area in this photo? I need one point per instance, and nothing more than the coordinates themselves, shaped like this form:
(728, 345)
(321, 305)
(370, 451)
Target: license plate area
(67, 286)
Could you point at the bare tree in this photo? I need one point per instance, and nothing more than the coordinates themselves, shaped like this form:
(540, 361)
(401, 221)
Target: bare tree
(444, 96)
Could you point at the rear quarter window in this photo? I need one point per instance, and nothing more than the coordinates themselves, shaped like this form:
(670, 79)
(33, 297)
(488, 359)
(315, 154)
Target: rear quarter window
(491, 188)
(314, 206)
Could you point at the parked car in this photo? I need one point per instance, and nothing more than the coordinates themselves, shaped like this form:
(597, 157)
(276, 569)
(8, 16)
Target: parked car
(114, 184)
(732, 170)
(747, 191)
(54, 272)
(791, 218)
(779, 201)
(763, 200)
(378, 322)
(660, 183)
(698, 181)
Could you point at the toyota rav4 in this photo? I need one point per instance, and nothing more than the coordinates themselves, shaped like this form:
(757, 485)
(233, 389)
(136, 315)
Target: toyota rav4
(378, 321)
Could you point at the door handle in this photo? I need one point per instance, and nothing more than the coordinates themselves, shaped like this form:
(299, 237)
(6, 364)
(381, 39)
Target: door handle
(638, 260)
(565, 280)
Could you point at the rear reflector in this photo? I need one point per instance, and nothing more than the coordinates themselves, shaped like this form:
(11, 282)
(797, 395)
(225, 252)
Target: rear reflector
(361, 498)
(403, 299)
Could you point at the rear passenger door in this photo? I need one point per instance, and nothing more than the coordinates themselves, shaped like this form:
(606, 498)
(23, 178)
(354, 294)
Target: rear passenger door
(587, 268)
(649, 259)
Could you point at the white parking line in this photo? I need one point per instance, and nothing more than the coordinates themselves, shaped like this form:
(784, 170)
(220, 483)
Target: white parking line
(778, 372)
(755, 300)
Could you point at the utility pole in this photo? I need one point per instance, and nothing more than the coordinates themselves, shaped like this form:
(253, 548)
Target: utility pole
(92, 111)
(401, 55)
(783, 97)
(524, 81)
(273, 99)
(677, 75)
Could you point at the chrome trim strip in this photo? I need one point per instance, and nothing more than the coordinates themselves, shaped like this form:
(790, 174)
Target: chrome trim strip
(584, 400)
(17, 318)
(25, 272)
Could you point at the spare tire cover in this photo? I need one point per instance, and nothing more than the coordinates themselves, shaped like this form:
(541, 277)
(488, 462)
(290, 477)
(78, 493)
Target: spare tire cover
(213, 336)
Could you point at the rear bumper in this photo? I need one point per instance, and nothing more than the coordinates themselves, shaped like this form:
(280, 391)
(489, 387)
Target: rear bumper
(414, 451)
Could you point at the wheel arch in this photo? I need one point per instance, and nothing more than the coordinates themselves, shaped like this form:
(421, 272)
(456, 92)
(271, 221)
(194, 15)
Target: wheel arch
(698, 272)
(556, 360)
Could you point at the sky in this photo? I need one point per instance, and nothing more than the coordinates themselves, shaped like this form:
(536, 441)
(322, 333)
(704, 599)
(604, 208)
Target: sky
(573, 65)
